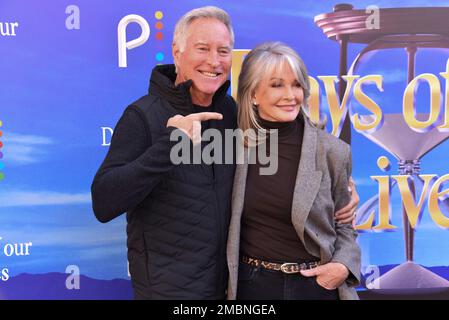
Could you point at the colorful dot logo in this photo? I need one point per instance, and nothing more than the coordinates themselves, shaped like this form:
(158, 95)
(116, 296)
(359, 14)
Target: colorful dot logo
(159, 15)
(159, 35)
(2, 176)
(159, 56)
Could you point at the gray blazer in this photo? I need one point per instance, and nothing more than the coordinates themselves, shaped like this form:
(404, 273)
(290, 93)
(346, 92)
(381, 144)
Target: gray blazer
(321, 188)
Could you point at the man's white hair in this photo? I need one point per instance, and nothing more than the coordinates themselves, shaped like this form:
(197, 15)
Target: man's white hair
(211, 12)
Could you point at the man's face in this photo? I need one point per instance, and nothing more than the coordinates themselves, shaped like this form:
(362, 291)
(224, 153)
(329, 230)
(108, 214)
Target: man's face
(206, 59)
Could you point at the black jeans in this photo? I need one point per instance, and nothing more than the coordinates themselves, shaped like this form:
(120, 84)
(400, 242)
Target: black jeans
(257, 283)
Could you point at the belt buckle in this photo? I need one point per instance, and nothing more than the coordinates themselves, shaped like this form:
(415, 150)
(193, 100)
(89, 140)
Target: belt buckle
(284, 267)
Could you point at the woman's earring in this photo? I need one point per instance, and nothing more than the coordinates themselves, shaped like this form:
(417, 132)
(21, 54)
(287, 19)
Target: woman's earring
(255, 104)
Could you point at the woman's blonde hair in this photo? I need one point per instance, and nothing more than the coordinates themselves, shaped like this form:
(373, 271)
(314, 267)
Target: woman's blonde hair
(262, 60)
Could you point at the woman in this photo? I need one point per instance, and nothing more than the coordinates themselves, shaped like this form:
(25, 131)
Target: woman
(283, 241)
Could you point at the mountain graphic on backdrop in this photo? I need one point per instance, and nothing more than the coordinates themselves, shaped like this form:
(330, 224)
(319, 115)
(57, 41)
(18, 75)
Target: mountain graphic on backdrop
(442, 271)
(406, 293)
(52, 286)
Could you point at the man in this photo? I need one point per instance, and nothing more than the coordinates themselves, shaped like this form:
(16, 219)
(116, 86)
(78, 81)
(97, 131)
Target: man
(177, 215)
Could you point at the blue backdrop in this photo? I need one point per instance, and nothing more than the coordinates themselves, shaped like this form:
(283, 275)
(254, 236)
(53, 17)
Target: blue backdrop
(62, 91)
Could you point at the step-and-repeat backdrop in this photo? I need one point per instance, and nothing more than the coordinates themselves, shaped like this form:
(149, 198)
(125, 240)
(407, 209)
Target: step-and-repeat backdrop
(68, 69)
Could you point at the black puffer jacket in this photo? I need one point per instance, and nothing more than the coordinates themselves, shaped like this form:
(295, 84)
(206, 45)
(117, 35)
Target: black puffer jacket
(177, 215)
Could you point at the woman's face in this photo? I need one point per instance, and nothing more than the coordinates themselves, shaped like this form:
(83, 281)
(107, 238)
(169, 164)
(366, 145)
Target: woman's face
(279, 95)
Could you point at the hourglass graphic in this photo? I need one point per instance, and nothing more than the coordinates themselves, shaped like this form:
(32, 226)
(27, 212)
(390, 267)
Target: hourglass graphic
(411, 29)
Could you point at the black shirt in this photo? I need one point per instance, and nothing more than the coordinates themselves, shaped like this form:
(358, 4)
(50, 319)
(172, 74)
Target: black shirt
(267, 229)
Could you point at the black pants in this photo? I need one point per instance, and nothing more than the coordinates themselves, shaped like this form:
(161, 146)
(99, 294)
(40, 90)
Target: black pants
(257, 283)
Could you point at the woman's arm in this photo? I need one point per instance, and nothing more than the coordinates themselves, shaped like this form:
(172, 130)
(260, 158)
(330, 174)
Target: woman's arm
(345, 263)
(347, 213)
(347, 251)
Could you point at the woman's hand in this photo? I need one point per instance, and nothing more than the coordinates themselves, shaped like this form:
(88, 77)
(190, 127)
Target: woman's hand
(347, 213)
(329, 276)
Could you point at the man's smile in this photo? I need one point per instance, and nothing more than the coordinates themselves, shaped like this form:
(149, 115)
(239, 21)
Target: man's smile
(210, 74)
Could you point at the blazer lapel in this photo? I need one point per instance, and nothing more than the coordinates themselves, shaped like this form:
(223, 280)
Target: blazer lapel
(308, 180)
(238, 192)
(238, 199)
